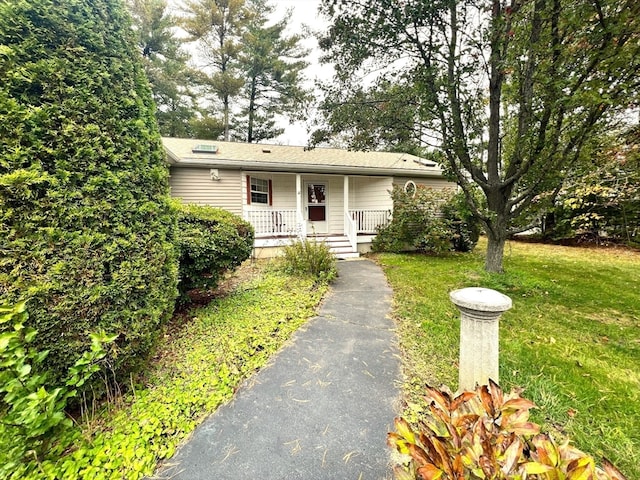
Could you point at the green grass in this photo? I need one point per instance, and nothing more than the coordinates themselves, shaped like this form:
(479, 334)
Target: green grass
(199, 367)
(572, 339)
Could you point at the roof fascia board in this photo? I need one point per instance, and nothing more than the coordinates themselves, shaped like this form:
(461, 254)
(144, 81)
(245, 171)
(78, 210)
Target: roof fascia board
(171, 157)
(304, 168)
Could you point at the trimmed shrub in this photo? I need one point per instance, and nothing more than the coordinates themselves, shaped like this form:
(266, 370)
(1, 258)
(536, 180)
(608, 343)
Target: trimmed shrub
(308, 257)
(211, 241)
(486, 434)
(429, 220)
(86, 222)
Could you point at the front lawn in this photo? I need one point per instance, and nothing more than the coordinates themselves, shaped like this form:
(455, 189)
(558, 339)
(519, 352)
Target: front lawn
(572, 339)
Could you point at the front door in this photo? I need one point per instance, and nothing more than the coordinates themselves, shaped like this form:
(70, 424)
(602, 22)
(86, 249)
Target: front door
(316, 206)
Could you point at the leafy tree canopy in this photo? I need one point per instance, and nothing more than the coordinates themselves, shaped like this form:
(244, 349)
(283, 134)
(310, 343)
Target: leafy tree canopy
(511, 93)
(600, 200)
(382, 117)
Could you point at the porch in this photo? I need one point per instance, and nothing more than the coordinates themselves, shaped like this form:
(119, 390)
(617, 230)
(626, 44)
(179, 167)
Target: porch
(340, 209)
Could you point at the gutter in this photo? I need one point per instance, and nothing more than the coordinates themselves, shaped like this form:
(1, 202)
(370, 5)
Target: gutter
(288, 167)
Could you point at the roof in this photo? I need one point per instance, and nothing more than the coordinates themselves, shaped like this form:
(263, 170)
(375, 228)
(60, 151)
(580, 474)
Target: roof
(279, 158)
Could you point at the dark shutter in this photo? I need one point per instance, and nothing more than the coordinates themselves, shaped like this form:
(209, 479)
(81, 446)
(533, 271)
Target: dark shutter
(270, 193)
(248, 190)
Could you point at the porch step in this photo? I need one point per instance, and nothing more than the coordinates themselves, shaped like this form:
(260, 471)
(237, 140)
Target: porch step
(345, 256)
(339, 246)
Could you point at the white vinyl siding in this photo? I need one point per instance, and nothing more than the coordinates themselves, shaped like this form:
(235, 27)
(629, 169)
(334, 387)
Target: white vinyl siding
(194, 185)
(284, 191)
(284, 195)
(335, 210)
(370, 193)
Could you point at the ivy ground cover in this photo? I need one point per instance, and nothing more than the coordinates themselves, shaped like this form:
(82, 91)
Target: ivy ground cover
(571, 341)
(200, 365)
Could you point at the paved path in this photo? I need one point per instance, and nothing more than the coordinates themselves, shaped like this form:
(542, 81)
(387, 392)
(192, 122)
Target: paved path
(322, 408)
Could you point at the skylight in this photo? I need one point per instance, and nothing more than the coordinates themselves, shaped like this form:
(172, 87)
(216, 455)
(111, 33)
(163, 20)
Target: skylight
(205, 148)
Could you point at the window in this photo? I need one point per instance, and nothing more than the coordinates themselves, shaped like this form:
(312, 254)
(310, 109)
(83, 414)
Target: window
(258, 191)
(410, 188)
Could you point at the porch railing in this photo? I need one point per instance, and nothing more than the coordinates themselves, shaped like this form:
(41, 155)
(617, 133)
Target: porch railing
(290, 223)
(367, 221)
(274, 222)
(350, 231)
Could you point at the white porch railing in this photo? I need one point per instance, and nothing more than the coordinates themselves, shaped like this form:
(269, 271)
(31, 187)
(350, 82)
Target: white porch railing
(350, 231)
(290, 223)
(267, 223)
(366, 221)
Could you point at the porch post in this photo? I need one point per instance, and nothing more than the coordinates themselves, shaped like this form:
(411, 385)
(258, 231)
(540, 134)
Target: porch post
(349, 227)
(301, 218)
(346, 194)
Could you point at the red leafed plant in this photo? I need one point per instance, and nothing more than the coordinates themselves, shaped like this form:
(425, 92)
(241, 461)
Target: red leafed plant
(485, 434)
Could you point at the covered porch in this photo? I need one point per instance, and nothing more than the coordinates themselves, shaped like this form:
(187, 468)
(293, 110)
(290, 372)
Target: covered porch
(282, 206)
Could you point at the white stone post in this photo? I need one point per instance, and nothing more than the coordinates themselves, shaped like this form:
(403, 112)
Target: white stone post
(480, 310)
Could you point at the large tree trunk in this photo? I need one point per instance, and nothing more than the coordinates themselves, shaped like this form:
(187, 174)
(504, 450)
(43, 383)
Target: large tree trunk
(497, 234)
(495, 253)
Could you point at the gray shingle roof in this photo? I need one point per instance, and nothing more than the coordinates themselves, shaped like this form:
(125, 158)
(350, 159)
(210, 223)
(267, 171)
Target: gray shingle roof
(262, 157)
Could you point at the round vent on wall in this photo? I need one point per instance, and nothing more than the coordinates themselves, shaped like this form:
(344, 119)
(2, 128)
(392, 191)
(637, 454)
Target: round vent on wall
(410, 188)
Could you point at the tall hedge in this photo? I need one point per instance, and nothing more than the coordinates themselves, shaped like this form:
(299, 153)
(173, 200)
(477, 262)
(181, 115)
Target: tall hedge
(86, 226)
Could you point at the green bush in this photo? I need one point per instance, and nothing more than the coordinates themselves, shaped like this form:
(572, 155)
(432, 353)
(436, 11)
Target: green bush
(599, 202)
(428, 220)
(464, 227)
(32, 413)
(86, 223)
(486, 434)
(211, 241)
(308, 257)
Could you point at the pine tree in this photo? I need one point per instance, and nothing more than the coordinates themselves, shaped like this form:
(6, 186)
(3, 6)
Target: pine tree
(218, 26)
(166, 65)
(272, 64)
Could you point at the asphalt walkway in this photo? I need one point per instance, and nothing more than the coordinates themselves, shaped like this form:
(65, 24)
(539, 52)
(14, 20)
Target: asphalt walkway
(321, 409)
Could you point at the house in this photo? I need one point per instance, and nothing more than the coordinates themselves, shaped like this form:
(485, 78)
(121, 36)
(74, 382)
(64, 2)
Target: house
(286, 192)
